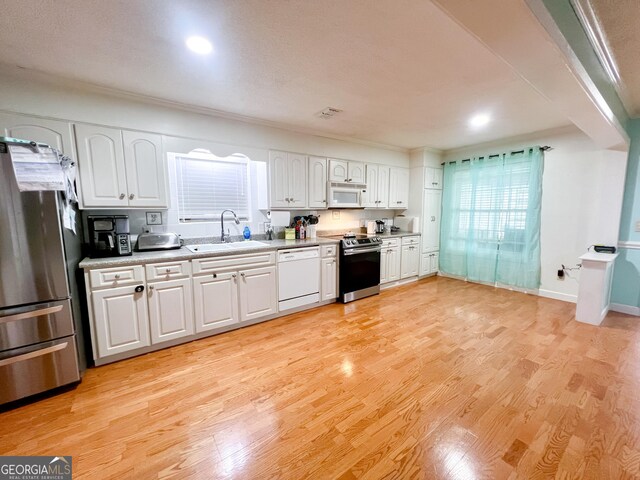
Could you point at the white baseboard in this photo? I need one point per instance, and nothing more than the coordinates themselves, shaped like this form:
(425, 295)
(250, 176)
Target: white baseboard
(565, 297)
(628, 309)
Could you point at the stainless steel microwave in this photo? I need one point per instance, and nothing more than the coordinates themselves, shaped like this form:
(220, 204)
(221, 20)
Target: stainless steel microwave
(345, 194)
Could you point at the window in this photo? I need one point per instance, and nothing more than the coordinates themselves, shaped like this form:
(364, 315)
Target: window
(207, 185)
(490, 228)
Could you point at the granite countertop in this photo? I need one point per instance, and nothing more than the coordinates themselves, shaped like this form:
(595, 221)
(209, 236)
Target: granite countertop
(183, 253)
(399, 234)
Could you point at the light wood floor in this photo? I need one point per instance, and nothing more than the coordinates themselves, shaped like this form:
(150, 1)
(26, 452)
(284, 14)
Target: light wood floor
(439, 379)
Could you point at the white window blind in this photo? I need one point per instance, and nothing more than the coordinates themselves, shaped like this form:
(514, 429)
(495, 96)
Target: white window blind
(207, 185)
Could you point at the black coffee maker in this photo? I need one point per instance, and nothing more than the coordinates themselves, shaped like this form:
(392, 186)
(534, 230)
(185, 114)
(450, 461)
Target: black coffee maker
(109, 235)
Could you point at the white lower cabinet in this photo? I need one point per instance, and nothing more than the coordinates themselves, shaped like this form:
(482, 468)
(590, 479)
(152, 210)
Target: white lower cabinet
(429, 263)
(389, 264)
(120, 319)
(215, 298)
(329, 280)
(257, 293)
(410, 261)
(170, 310)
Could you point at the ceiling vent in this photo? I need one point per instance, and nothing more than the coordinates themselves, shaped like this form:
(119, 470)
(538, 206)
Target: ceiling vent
(329, 112)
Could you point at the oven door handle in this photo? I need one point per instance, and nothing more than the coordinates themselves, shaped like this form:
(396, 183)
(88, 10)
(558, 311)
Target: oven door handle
(356, 251)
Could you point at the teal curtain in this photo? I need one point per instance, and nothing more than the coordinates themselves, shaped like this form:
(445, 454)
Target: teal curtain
(490, 228)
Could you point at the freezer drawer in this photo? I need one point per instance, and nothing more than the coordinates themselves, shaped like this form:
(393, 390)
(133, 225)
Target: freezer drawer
(22, 326)
(37, 368)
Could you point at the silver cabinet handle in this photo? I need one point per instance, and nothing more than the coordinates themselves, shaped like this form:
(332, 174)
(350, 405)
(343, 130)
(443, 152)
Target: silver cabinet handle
(35, 354)
(116, 276)
(433, 218)
(324, 201)
(233, 275)
(168, 270)
(122, 195)
(131, 196)
(215, 275)
(151, 287)
(242, 274)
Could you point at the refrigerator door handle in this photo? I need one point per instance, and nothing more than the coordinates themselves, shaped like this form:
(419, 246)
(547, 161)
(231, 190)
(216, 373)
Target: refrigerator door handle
(34, 354)
(30, 314)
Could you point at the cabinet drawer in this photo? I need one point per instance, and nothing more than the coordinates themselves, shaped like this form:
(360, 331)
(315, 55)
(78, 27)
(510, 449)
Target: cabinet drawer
(410, 240)
(117, 276)
(215, 264)
(168, 270)
(329, 250)
(389, 242)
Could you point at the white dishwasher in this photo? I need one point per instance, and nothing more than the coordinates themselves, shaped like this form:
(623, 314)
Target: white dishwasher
(298, 277)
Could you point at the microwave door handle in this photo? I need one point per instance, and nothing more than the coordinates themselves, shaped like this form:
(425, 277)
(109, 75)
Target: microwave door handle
(110, 241)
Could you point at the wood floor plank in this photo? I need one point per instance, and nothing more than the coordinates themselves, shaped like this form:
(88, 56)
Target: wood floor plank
(439, 379)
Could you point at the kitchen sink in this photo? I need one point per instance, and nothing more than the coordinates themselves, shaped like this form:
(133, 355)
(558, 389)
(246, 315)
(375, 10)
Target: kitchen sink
(225, 247)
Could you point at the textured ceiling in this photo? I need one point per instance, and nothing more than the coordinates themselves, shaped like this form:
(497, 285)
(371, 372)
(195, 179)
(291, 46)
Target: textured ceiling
(619, 22)
(404, 73)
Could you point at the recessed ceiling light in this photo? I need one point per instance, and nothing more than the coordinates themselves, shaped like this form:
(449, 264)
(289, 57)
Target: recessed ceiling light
(200, 45)
(479, 120)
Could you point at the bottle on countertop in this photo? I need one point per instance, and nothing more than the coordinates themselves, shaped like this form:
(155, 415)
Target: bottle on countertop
(246, 233)
(303, 231)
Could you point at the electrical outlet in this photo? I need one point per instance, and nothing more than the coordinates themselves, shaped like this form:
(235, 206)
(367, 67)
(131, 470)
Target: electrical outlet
(336, 214)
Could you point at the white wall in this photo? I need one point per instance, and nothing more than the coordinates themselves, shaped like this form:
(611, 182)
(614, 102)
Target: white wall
(582, 189)
(23, 91)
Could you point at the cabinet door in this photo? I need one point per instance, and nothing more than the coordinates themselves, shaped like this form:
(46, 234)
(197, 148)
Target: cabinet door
(356, 172)
(215, 300)
(410, 261)
(398, 188)
(170, 310)
(338, 170)
(54, 133)
(329, 289)
(101, 166)
(121, 320)
(434, 263)
(146, 170)
(279, 179)
(394, 265)
(384, 265)
(297, 180)
(257, 293)
(431, 220)
(317, 182)
(370, 197)
(383, 186)
(433, 177)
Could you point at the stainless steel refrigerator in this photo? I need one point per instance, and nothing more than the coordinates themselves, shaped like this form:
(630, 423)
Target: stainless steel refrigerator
(38, 344)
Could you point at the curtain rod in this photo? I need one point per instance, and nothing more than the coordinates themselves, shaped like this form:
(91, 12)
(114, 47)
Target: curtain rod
(493, 155)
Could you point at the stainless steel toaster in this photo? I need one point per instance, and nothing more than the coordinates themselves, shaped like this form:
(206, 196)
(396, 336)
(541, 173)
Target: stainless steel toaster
(157, 241)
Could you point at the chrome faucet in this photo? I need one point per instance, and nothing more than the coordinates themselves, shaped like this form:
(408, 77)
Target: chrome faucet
(227, 237)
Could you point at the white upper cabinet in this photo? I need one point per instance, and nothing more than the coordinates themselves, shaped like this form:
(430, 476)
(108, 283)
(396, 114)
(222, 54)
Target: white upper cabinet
(54, 133)
(146, 169)
(317, 182)
(121, 168)
(357, 172)
(433, 177)
(101, 166)
(338, 170)
(298, 180)
(398, 188)
(346, 171)
(377, 195)
(288, 180)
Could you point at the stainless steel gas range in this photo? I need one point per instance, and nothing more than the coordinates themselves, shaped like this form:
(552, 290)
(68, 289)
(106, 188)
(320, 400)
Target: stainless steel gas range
(359, 266)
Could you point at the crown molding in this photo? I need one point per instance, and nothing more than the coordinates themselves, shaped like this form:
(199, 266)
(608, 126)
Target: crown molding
(192, 108)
